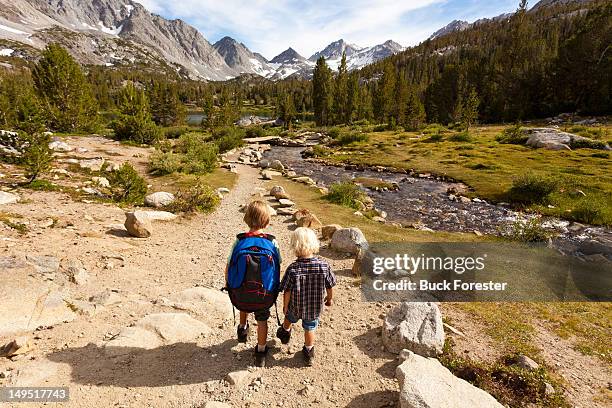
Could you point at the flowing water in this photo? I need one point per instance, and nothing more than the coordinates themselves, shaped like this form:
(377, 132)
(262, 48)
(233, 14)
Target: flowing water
(426, 203)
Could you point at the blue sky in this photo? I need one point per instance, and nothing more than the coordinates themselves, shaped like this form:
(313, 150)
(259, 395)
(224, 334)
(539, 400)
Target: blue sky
(271, 26)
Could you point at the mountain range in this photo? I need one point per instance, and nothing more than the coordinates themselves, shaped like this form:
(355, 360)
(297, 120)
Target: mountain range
(125, 33)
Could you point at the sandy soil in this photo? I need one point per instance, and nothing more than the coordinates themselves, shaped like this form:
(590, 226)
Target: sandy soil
(351, 370)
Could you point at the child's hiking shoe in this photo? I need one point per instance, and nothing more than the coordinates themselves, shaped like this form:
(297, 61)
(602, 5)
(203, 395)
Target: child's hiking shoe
(242, 333)
(283, 334)
(309, 356)
(260, 357)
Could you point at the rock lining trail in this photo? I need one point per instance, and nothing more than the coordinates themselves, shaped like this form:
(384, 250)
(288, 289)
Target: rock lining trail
(99, 338)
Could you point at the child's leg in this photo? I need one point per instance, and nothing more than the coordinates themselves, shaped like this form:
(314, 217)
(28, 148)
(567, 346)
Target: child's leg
(243, 319)
(309, 338)
(262, 333)
(286, 324)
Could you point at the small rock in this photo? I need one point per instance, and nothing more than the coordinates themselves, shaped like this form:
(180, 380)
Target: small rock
(349, 240)
(137, 224)
(327, 231)
(416, 326)
(283, 202)
(276, 190)
(101, 182)
(270, 174)
(239, 378)
(8, 198)
(526, 363)
(92, 164)
(277, 165)
(18, 346)
(549, 389)
(44, 263)
(309, 221)
(159, 199)
(59, 146)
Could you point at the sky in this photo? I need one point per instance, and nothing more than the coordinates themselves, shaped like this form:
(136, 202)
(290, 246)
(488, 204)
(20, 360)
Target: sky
(271, 26)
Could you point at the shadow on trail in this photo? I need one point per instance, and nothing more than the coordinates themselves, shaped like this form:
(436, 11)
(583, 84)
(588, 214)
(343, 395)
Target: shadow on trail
(175, 364)
(180, 363)
(375, 399)
(370, 343)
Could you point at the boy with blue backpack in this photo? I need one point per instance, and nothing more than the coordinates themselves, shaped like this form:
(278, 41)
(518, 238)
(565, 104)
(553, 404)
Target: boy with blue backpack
(253, 276)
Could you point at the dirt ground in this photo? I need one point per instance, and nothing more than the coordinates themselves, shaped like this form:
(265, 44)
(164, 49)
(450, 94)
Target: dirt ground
(351, 370)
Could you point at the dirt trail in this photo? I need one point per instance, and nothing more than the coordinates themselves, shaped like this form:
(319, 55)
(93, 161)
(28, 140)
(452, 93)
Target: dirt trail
(352, 369)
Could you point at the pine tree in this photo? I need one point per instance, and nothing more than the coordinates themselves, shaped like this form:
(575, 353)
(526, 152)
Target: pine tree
(384, 103)
(37, 156)
(322, 93)
(134, 122)
(469, 113)
(64, 91)
(286, 110)
(415, 111)
(166, 108)
(352, 102)
(208, 107)
(341, 93)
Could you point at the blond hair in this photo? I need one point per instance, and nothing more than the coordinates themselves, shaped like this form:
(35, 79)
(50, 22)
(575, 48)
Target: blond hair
(257, 215)
(304, 242)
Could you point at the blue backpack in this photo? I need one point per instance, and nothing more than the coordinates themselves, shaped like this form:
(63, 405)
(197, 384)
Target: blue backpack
(253, 276)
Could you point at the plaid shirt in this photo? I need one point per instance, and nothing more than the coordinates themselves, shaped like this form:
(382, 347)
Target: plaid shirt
(307, 279)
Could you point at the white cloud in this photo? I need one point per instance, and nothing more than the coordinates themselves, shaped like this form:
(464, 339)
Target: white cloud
(270, 26)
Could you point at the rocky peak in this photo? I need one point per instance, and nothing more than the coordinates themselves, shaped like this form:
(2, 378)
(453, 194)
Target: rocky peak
(334, 50)
(455, 25)
(289, 56)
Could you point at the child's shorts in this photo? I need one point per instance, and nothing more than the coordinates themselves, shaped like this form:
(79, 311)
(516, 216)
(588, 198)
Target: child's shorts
(262, 315)
(308, 325)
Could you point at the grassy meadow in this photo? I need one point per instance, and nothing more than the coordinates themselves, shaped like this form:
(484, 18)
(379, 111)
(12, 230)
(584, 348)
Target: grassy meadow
(489, 167)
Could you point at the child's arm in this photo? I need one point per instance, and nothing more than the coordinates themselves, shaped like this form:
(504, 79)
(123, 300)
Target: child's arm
(286, 299)
(330, 295)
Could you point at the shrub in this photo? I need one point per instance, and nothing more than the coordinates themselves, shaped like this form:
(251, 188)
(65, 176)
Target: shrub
(353, 137)
(175, 132)
(435, 138)
(255, 131)
(320, 151)
(189, 141)
(345, 193)
(37, 156)
(200, 159)
(588, 144)
(228, 138)
(198, 198)
(434, 128)
(512, 135)
(379, 128)
(601, 155)
(530, 231)
(461, 137)
(532, 189)
(590, 211)
(590, 132)
(126, 185)
(136, 129)
(162, 163)
(334, 132)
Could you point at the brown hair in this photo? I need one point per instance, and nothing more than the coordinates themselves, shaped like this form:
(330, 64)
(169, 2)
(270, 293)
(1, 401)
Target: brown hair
(257, 215)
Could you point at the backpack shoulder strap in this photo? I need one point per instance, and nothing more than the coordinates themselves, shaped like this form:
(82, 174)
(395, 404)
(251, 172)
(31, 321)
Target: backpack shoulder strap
(245, 235)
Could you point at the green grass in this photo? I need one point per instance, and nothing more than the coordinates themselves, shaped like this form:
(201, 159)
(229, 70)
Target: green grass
(490, 167)
(175, 182)
(8, 219)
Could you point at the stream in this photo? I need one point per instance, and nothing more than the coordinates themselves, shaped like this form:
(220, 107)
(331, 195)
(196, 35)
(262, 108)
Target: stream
(425, 204)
